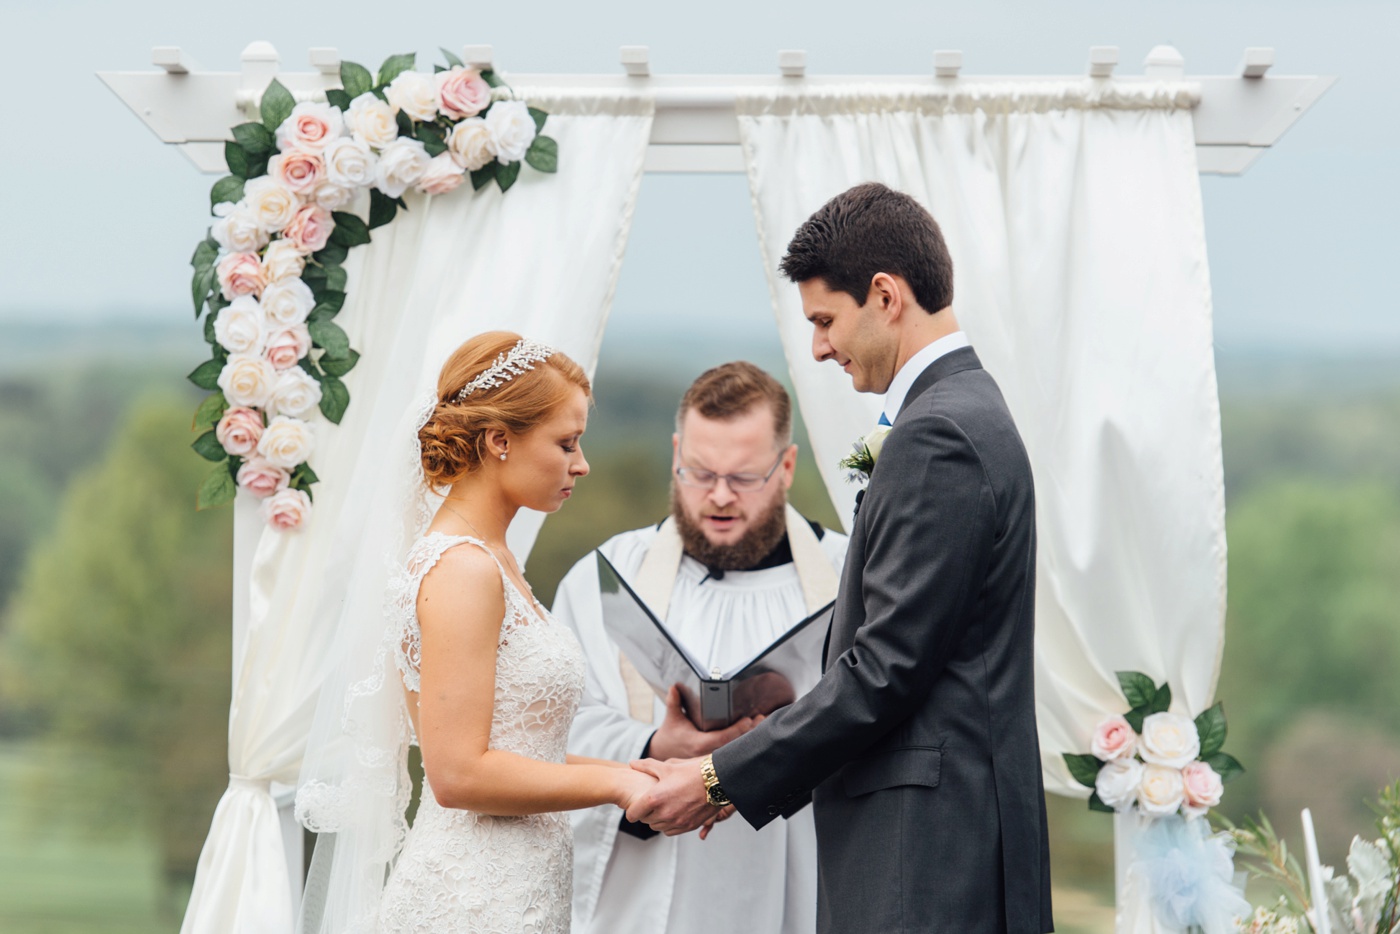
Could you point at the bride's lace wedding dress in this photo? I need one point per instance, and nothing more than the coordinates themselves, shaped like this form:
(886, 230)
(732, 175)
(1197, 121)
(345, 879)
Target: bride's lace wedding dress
(469, 873)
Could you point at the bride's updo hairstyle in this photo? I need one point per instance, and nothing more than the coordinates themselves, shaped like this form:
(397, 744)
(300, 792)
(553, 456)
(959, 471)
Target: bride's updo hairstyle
(454, 438)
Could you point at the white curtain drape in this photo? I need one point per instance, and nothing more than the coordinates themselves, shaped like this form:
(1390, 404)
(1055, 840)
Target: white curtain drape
(1073, 214)
(542, 260)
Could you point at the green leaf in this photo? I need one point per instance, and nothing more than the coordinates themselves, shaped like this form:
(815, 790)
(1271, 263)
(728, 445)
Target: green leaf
(315, 277)
(206, 375)
(335, 398)
(255, 138)
(338, 99)
(200, 288)
(277, 105)
(229, 188)
(1211, 727)
(1225, 765)
(450, 58)
(328, 305)
(237, 158)
(1137, 688)
(340, 367)
(381, 208)
(209, 336)
(543, 154)
(491, 78)
(405, 123)
(355, 79)
(485, 175)
(1162, 700)
(1135, 718)
(1084, 768)
(257, 167)
(333, 255)
(205, 255)
(1096, 804)
(336, 278)
(209, 412)
(349, 229)
(394, 66)
(304, 474)
(217, 489)
(329, 336)
(507, 174)
(539, 116)
(208, 447)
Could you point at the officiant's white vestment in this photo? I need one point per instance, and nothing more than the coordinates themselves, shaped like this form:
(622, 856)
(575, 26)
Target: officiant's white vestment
(737, 880)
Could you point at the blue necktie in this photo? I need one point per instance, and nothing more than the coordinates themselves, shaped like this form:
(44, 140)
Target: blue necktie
(884, 420)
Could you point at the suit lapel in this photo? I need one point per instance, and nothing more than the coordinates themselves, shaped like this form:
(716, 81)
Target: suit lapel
(956, 361)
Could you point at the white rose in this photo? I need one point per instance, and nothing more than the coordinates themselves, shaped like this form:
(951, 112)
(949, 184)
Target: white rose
(1117, 783)
(1161, 791)
(286, 442)
(470, 144)
(512, 130)
(1169, 739)
(311, 126)
(332, 197)
(271, 202)
(371, 121)
(415, 94)
(401, 165)
(350, 163)
(247, 379)
(241, 326)
(288, 302)
(238, 230)
(282, 261)
(295, 393)
(875, 441)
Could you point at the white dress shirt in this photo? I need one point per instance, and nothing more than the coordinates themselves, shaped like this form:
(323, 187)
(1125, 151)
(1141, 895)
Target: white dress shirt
(904, 380)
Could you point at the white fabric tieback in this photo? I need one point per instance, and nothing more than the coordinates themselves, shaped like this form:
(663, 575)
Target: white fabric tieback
(249, 784)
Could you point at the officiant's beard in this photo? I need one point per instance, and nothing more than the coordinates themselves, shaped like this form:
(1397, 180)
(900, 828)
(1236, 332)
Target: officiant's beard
(758, 542)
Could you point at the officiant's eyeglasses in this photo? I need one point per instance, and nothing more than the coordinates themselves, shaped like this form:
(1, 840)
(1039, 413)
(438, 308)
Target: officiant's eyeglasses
(738, 482)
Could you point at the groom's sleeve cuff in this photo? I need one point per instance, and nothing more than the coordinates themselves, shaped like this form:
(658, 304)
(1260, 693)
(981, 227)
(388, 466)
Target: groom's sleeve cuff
(636, 828)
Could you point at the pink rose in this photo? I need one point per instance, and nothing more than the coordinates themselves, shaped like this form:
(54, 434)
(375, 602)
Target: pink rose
(261, 477)
(310, 228)
(1203, 788)
(298, 169)
(443, 175)
(240, 274)
(239, 430)
(462, 92)
(311, 126)
(287, 510)
(288, 345)
(1113, 739)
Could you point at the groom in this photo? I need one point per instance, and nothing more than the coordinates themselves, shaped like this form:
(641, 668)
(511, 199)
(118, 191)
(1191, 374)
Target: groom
(918, 748)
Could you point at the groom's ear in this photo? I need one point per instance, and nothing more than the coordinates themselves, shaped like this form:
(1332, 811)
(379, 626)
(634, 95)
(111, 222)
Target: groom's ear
(886, 297)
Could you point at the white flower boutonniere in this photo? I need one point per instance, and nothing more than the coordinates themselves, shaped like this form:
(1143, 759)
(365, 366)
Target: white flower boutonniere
(861, 462)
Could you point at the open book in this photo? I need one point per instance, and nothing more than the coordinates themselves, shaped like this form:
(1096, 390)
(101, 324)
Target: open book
(713, 699)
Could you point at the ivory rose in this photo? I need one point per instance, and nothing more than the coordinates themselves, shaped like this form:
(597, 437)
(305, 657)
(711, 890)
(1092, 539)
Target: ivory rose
(1117, 783)
(512, 130)
(287, 510)
(271, 202)
(462, 92)
(287, 302)
(332, 197)
(401, 164)
(350, 163)
(296, 393)
(298, 169)
(261, 477)
(239, 430)
(1113, 739)
(1203, 788)
(443, 175)
(240, 326)
(237, 229)
(285, 346)
(282, 260)
(310, 228)
(240, 274)
(247, 379)
(415, 94)
(1169, 739)
(371, 121)
(286, 441)
(470, 144)
(1161, 791)
(311, 127)
(875, 441)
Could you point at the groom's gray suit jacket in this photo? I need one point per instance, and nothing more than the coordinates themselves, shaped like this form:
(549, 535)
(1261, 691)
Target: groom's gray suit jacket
(918, 748)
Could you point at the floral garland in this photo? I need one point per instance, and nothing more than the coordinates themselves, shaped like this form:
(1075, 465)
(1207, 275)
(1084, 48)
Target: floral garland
(1158, 762)
(270, 270)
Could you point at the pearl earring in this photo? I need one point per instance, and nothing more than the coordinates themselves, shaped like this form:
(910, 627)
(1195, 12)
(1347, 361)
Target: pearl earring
(503, 456)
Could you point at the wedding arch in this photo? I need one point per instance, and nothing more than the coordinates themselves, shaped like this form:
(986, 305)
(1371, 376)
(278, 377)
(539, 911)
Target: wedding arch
(1072, 208)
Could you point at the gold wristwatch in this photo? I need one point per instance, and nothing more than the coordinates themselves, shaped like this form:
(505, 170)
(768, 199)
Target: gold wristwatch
(714, 794)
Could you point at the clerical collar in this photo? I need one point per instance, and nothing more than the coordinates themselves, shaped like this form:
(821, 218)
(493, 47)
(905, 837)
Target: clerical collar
(904, 380)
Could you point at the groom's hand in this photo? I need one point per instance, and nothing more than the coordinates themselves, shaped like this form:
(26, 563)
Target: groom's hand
(677, 737)
(678, 803)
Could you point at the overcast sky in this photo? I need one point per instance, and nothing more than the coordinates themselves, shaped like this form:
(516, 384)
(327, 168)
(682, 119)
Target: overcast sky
(102, 217)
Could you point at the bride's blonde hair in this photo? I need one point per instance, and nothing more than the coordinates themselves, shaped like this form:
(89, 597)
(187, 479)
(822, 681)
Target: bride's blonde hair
(454, 438)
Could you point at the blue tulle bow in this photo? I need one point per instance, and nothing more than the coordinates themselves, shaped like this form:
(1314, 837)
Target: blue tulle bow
(1190, 873)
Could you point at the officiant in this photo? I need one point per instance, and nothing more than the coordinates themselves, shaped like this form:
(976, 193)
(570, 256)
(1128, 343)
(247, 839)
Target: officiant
(729, 572)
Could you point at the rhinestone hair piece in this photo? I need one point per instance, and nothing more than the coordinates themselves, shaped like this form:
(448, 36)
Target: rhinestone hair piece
(518, 360)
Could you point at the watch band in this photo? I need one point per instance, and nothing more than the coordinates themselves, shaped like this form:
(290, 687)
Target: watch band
(714, 793)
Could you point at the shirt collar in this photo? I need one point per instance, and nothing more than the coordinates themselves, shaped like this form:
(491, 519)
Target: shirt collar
(904, 380)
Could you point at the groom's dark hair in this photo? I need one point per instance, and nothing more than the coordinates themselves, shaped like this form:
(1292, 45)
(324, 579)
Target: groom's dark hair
(868, 229)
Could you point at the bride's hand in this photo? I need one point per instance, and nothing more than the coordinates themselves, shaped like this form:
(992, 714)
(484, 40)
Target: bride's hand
(631, 785)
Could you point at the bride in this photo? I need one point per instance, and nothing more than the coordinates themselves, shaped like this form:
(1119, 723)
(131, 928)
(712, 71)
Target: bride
(470, 666)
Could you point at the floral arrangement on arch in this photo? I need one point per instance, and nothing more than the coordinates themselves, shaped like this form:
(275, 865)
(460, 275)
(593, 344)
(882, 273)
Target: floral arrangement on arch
(1156, 761)
(270, 270)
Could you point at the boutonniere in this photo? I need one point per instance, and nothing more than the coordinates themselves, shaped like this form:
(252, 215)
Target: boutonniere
(861, 461)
